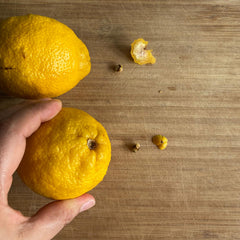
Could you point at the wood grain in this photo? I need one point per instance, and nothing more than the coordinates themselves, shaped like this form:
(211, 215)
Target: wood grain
(192, 189)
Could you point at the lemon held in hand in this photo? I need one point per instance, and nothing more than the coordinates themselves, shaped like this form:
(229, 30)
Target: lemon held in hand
(67, 156)
(40, 57)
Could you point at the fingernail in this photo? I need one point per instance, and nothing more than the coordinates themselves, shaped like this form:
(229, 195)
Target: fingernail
(57, 101)
(45, 99)
(87, 205)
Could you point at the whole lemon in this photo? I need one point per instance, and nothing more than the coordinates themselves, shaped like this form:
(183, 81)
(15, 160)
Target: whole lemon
(67, 156)
(40, 57)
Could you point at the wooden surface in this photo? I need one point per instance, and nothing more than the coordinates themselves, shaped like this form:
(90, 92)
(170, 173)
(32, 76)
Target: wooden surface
(192, 189)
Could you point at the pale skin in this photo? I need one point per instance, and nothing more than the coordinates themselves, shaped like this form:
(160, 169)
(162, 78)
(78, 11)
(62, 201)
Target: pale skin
(16, 124)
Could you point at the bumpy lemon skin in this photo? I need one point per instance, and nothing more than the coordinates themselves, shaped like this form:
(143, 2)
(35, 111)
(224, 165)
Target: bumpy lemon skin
(58, 163)
(40, 57)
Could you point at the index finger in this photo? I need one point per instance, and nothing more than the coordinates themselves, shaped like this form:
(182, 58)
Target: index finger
(13, 108)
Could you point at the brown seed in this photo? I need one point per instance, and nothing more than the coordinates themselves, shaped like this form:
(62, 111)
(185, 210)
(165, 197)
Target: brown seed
(118, 68)
(136, 147)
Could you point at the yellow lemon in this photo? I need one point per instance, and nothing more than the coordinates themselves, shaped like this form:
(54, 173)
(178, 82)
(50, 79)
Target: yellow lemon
(40, 57)
(67, 156)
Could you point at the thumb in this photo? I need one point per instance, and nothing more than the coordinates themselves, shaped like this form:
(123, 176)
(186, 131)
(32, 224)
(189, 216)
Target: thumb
(50, 219)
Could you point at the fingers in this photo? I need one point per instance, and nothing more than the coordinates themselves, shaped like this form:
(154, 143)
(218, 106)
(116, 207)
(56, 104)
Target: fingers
(53, 217)
(8, 111)
(14, 131)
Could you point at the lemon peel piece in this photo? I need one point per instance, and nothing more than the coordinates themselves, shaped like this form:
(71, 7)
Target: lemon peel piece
(160, 141)
(139, 53)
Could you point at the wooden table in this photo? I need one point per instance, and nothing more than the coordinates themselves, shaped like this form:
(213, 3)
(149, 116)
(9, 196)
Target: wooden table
(191, 190)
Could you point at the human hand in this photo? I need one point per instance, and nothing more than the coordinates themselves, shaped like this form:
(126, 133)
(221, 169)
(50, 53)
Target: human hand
(16, 124)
